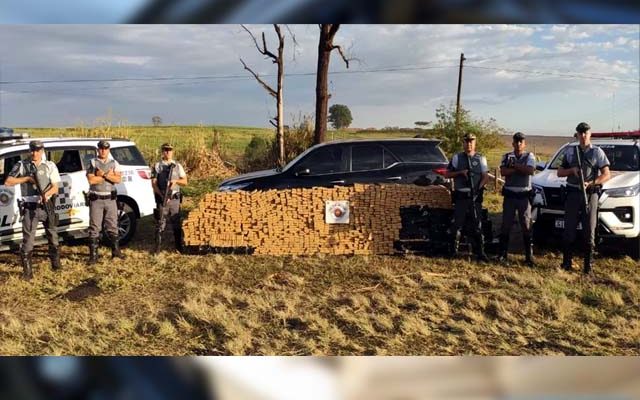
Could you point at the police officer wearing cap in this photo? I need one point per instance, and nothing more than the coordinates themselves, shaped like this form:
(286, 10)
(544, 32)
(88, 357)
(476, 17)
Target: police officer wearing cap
(167, 176)
(468, 168)
(517, 167)
(39, 180)
(595, 169)
(103, 174)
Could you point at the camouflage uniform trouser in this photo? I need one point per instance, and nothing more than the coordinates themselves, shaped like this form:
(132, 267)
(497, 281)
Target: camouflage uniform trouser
(512, 205)
(100, 210)
(30, 221)
(170, 212)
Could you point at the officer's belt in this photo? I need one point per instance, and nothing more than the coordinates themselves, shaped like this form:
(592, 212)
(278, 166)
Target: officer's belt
(102, 196)
(517, 189)
(509, 194)
(30, 205)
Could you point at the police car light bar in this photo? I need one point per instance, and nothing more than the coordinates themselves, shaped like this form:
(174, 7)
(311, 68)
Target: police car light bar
(628, 134)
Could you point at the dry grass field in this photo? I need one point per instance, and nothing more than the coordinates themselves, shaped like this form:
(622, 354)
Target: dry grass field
(180, 304)
(237, 304)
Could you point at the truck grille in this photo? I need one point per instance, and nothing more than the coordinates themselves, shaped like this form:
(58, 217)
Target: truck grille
(552, 195)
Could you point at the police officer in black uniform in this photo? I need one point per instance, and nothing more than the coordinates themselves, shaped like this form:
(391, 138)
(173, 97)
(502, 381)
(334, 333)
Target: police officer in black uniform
(517, 167)
(167, 177)
(39, 180)
(464, 167)
(103, 174)
(595, 168)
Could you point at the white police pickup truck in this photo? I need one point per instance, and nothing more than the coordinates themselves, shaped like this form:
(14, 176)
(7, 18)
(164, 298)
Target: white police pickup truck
(72, 155)
(619, 205)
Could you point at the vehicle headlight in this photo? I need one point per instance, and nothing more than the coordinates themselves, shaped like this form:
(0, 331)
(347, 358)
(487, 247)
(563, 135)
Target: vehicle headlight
(234, 186)
(629, 191)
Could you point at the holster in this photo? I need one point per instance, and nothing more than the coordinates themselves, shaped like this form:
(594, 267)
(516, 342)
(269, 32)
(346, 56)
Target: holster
(21, 207)
(563, 194)
(597, 189)
(157, 213)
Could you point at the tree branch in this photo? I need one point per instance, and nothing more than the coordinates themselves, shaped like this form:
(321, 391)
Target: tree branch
(344, 58)
(264, 50)
(264, 85)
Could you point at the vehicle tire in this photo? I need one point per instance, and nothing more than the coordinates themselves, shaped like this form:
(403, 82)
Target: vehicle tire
(127, 222)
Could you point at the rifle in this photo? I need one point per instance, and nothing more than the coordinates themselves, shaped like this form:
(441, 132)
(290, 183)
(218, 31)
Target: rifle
(583, 189)
(474, 195)
(165, 197)
(48, 204)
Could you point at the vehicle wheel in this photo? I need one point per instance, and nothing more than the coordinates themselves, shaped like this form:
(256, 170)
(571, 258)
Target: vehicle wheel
(127, 222)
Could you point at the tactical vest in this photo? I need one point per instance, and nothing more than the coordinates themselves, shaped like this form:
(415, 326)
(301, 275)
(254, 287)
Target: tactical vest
(518, 180)
(42, 174)
(163, 178)
(105, 187)
(589, 164)
(461, 182)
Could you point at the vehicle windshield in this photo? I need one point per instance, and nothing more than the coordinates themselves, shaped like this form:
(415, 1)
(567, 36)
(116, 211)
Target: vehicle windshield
(621, 157)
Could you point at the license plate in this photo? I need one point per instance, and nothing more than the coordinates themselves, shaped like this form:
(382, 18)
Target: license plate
(560, 224)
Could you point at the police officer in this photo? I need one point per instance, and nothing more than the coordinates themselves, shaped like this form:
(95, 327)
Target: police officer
(103, 174)
(595, 169)
(517, 168)
(167, 176)
(39, 181)
(468, 168)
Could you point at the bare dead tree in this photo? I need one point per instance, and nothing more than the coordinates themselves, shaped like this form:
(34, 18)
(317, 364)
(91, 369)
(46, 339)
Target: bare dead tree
(325, 47)
(278, 120)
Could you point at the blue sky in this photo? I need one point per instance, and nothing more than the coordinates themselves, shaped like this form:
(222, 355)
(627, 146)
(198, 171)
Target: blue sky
(540, 79)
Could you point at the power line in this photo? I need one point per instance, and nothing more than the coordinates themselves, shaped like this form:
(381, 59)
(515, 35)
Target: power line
(224, 77)
(560, 74)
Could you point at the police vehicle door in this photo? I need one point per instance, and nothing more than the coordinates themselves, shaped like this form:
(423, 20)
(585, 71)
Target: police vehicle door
(10, 223)
(70, 204)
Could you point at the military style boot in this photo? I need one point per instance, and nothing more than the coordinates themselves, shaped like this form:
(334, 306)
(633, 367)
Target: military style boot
(93, 251)
(454, 244)
(27, 268)
(503, 257)
(115, 247)
(528, 250)
(158, 242)
(566, 258)
(480, 254)
(588, 261)
(54, 256)
(177, 235)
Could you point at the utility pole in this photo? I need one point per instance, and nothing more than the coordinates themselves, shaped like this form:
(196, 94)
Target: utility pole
(459, 88)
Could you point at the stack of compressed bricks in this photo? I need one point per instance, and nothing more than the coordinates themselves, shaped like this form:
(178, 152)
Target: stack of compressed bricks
(292, 221)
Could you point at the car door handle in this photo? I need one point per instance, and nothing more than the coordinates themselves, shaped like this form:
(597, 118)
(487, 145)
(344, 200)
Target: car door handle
(340, 181)
(394, 178)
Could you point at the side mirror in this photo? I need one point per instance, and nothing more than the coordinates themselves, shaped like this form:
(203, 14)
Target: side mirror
(303, 172)
(540, 166)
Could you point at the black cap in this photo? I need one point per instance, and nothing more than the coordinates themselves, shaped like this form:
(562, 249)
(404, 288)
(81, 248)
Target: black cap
(36, 145)
(469, 136)
(103, 144)
(166, 146)
(518, 136)
(582, 127)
